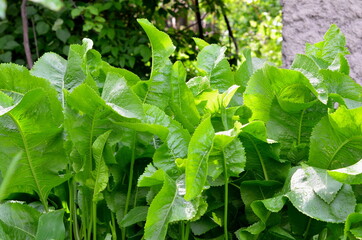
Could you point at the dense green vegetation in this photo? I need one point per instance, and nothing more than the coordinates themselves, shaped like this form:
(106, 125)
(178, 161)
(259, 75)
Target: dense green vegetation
(91, 151)
(118, 37)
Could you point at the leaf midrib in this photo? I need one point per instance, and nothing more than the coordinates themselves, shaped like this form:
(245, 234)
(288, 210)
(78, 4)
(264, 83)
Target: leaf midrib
(168, 210)
(341, 146)
(266, 177)
(29, 158)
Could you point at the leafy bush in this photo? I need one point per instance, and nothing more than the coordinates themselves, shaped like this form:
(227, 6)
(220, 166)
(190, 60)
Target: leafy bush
(89, 150)
(117, 36)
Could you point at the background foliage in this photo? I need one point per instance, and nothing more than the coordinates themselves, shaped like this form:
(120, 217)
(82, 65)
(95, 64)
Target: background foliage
(113, 28)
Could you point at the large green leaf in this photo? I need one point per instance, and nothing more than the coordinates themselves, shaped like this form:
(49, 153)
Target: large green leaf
(168, 206)
(344, 86)
(52, 67)
(293, 129)
(16, 81)
(211, 60)
(182, 101)
(99, 69)
(18, 221)
(156, 91)
(76, 71)
(246, 69)
(310, 69)
(196, 166)
(327, 50)
(263, 158)
(121, 98)
(316, 194)
(291, 88)
(51, 226)
(30, 127)
(336, 141)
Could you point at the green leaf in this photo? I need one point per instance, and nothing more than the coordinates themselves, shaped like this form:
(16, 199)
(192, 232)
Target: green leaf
(76, 71)
(340, 64)
(229, 150)
(246, 69)
(316, 194)
(54, 5)
(42, 28)
(349, 175)
(121, 98)
(16, 81)
(263, 159)
(253, 190)
(30, 127)
(7, 178)
(168, 206)
(215, 101)
(101, 170)
(247, 233)
(197, 158)
(158, 87)
(291, 88)
(135, 215)
(310, 69)
(327, 50)
(63, 35)
(337, 139)
(170, 131)
(198, 84)
(293, 130)
(211, 60)
(262, 208)
(52, 67)
(200, 43)
(51, 226)
(18, 221)
(182, 101)
(344, 86)
(353, 225)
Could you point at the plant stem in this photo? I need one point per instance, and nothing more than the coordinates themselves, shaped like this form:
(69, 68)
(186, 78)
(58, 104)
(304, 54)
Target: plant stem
(305, 235)
(24, 20)
(73, 226)
(130, 180)
(226, 177)
(182, 230)
(226, 200)
(113, 227)
(187, 231)
(94, 210)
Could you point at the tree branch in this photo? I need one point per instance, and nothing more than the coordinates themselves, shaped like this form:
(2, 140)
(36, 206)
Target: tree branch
(198, 19)
(24, 20)
(231, 35)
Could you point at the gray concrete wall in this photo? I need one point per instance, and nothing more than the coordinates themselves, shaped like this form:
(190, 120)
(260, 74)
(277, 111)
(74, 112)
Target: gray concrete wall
(308, 20)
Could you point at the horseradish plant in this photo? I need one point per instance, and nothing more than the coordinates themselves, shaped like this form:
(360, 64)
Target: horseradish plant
(90, 151)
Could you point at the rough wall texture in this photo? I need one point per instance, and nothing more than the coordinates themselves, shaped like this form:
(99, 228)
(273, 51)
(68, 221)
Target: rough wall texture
(308, 20)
